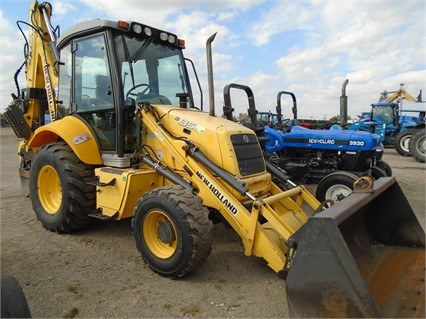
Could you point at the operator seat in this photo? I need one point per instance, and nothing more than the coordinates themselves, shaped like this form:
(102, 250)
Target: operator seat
(101, 106)
(103, 89)
(421, 118)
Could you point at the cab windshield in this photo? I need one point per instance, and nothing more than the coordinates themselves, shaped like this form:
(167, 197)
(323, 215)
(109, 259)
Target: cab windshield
(384, 112)
(152, 72)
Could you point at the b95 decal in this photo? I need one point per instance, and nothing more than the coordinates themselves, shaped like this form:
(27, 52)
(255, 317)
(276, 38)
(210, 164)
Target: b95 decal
(356, 143)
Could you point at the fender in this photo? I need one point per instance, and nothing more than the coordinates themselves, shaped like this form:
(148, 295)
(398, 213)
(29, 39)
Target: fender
(75, 133)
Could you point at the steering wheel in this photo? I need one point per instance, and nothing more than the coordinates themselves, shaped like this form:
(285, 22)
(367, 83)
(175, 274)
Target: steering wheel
(286, 124)
(135, 87)
(286, 120)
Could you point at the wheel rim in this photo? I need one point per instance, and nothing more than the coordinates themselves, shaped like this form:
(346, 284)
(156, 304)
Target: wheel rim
(421, 145)
(160, 234)
(49, 189)
(405, 143)
(337, 192)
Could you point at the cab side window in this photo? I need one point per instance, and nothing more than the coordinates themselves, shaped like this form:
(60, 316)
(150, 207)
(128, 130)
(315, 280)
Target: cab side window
(65, 77)
(92, 76)
(93, 92)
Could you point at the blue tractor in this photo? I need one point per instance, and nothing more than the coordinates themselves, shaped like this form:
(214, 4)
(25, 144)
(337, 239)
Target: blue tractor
(333, 158)
(395, 126)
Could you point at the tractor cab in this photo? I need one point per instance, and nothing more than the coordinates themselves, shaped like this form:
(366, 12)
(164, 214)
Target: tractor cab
(385, 113)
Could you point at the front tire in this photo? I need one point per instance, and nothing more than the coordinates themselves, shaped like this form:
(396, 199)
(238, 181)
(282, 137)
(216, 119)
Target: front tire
(418, 146)
(377, 172)
(335, 186)
(402, 142)
(60, 196)
(13, 301)
(385, 166)
(172, 230)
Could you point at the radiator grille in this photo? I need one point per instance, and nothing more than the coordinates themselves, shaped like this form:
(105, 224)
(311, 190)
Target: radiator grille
(248, 152)
(358, 162)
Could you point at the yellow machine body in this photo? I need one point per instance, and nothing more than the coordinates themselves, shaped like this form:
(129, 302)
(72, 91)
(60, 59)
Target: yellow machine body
(126, 186)
(119, 189)
(75, 133)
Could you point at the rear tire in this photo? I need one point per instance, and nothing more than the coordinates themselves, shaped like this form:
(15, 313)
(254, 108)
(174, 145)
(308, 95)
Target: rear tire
(60, 196)
(172, 230)
(402, 142)
(335, 186)
(418, 146)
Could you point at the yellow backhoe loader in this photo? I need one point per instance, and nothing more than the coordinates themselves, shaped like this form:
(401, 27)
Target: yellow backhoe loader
(110, 130)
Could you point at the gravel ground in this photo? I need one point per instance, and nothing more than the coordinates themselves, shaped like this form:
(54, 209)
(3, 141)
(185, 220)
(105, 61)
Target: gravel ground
(99, 272)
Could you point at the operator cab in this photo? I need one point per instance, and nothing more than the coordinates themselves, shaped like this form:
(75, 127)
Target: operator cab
(107, 68)
(387, 112)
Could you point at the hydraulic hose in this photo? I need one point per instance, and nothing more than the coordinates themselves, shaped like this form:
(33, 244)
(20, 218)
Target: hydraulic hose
(167, 173)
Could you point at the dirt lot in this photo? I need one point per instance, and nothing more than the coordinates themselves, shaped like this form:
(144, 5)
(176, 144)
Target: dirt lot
(99, 272)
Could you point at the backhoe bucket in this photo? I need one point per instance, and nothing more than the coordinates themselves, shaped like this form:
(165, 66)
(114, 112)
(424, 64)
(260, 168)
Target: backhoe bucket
(362, 257)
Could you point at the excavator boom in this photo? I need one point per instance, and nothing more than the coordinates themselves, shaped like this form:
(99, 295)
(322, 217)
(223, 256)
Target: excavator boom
(401, 94)
(42, 74)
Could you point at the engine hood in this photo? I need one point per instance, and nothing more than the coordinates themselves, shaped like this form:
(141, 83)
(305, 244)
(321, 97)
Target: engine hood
(300, 137)
(228, 144)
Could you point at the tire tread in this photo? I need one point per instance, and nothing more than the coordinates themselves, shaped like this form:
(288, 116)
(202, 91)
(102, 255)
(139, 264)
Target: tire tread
(79, 196)
(199, 225)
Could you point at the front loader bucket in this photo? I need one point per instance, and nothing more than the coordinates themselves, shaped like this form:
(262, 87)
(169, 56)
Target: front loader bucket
(362, 257)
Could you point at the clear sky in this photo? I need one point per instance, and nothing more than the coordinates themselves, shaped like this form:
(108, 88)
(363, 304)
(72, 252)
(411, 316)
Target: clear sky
(307, 47)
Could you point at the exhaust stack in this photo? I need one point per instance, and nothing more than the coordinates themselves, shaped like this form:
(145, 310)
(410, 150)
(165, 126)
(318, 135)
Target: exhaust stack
(210, 73)
(344, 106)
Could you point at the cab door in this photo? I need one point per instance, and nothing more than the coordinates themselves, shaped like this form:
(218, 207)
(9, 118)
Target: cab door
(86, 88)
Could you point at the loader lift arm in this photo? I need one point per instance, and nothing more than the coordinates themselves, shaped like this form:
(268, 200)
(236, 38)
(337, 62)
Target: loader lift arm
(282, 210)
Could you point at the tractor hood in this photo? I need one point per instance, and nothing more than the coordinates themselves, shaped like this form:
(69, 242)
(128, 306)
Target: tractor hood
(333, 139)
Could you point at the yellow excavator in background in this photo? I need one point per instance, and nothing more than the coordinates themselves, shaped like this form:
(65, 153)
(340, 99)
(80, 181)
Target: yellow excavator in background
(401, 94)
(124, 139)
